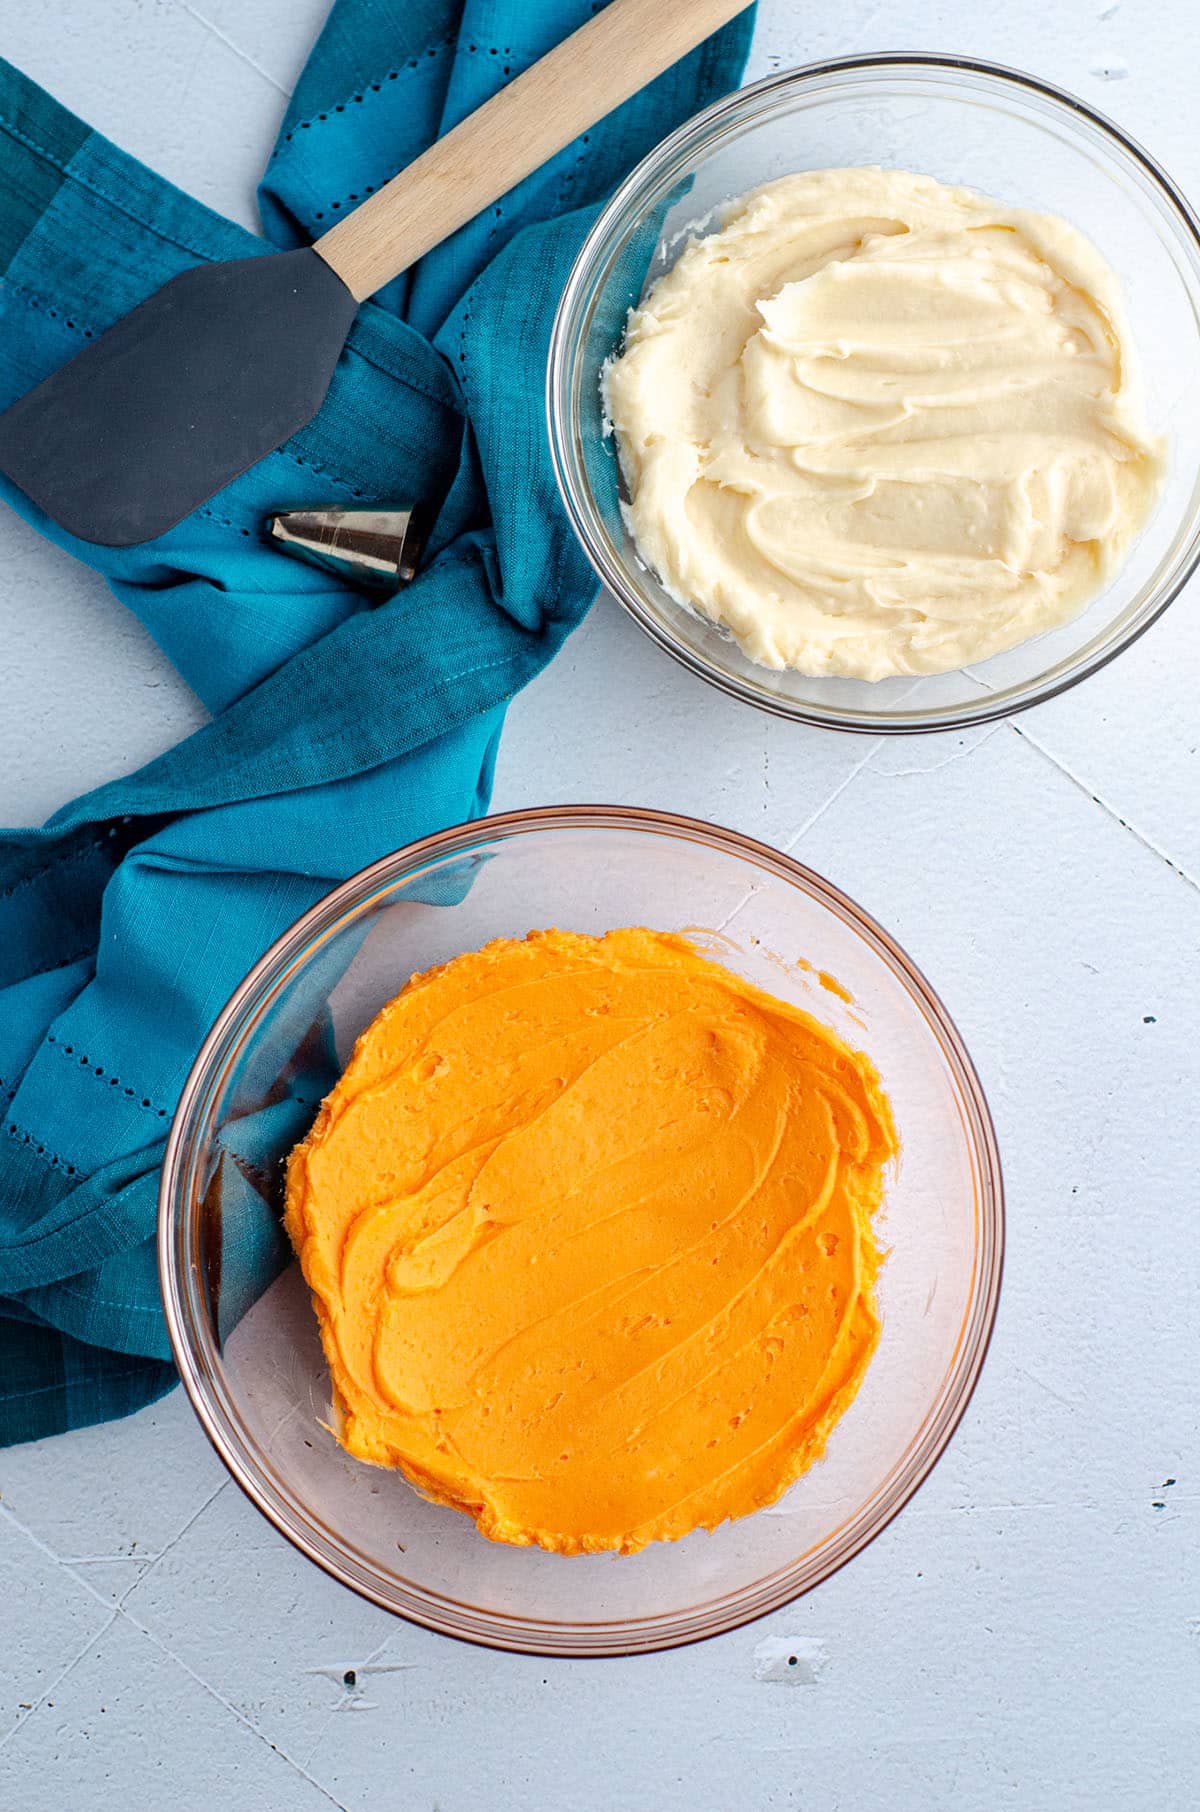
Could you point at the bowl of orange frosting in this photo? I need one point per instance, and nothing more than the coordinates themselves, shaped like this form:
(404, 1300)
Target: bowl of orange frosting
(582, 1231)
(872, 393)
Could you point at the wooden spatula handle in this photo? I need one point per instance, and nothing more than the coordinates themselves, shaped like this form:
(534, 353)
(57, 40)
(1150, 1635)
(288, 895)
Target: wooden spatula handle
(568, 90)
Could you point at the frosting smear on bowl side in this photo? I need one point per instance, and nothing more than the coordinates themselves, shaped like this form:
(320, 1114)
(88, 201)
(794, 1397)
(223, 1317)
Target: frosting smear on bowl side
(877, 426)
(588, 1227)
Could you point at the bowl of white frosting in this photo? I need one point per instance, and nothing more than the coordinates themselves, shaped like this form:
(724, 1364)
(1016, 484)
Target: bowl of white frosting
(874, 393)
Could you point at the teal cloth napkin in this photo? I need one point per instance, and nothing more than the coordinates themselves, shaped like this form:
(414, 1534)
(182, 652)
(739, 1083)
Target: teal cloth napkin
(339, 730)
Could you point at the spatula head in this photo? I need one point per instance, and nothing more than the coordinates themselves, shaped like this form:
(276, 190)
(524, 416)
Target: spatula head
(212, 372)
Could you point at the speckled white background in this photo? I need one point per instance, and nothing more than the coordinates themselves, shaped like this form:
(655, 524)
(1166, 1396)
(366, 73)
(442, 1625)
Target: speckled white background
(1027, 1633)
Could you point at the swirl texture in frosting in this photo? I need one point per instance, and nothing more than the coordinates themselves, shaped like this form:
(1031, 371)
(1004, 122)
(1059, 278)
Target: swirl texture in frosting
(588, 1227)
(877, 426)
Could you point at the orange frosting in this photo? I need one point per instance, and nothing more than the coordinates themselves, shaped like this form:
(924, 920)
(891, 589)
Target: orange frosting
(587, 1223)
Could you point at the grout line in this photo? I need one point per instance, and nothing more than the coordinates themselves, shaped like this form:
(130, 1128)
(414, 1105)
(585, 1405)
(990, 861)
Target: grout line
(45, 1548)
(1036, 1378)
(72, 1664)
(242, 55)
(1111, 811)
(836, 794)
(179, 1534)
(230, 1707)
(792, 841)
(282, 1423)
(114, 1611)
(91, 1560)
(118, 1610)
(734, 910)
(935, 767)
(148, 1561)
(1058, 1504)
(1021, 729)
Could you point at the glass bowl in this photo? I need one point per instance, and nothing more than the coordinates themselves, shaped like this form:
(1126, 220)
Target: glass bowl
(967, 123)
(256, 1374)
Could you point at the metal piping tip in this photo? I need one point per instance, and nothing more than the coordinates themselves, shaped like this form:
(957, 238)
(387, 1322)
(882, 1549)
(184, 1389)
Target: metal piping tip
(378, 547)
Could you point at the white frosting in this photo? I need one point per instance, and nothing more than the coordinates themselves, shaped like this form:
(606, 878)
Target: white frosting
(876, 426)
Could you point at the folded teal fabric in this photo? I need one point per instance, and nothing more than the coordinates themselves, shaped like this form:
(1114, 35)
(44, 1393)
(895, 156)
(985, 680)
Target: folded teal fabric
(340, 729)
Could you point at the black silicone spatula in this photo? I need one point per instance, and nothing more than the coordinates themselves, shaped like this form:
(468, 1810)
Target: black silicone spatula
(222, 364)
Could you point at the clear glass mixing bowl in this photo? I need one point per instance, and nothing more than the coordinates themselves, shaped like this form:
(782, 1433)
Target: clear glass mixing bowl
(976, 124)
(258, 1380)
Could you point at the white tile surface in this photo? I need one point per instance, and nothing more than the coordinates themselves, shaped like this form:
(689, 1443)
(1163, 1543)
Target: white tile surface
(127, 1725)
(1027, 1634)
(49, 1620)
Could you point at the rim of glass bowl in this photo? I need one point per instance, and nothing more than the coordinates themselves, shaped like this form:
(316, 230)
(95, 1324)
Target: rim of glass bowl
(666, 164)
(199, 1360)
